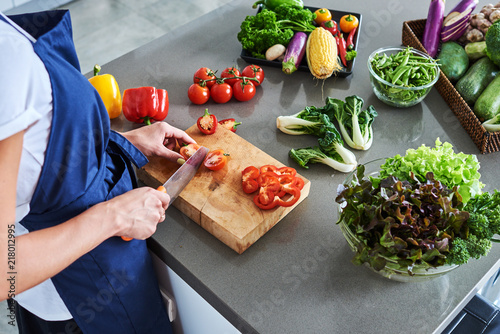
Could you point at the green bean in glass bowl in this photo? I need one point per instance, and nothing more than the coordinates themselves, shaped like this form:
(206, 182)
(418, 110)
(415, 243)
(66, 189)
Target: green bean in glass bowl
(402, 76)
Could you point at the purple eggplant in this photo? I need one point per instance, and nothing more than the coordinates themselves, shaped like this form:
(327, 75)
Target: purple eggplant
(457, 21)
(432, 30)
(295, 52)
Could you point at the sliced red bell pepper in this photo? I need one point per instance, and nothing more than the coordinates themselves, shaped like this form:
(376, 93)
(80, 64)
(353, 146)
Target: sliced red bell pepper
(350, 39)
(230, 124)
(268, 168)
(249, 179)
(250, 173)
(287, 171)
(293, 191)
(299, 183)
(277, 186)
(266, 200)
(341, 47)
(145, 104)
(207, 123)
(331, 26)
(269, 181)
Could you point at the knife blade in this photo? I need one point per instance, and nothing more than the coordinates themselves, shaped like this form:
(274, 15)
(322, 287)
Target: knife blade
(179, 180)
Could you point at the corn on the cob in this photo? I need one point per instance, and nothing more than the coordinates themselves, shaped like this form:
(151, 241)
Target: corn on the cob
(321, 53)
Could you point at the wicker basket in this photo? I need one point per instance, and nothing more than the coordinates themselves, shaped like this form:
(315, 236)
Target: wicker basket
(487, 142)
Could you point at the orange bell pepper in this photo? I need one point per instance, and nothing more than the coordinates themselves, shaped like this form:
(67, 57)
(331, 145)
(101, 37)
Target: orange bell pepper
(108, 90)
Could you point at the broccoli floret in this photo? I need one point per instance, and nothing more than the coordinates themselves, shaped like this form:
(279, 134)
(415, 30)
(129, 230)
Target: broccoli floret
(484, 210)
(458, 252)
(492, 39)
(462, 250)
(267, 28)
(296, 18)
(477, 247)
(261, 31)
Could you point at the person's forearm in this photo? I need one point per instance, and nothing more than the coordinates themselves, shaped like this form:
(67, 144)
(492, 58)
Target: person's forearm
(42, 254)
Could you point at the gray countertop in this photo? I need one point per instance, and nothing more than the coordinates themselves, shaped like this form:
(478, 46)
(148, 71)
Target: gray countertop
(298, 277)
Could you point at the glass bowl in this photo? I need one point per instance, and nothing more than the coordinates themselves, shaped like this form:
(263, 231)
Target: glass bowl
(392, 269)
(395, 95)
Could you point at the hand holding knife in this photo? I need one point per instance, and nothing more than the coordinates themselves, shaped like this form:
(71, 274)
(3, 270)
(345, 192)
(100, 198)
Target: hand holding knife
(179, 180)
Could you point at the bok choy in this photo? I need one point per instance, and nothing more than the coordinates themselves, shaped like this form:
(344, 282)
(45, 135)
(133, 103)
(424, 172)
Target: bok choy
(307, 121)
(331, 152)
(354, 122)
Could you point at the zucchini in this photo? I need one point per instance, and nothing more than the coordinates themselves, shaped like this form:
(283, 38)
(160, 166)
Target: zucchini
(453, 60)
(474, 82)
(488, 103)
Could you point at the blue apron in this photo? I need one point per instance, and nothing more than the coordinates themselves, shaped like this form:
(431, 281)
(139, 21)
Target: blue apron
(113, 288)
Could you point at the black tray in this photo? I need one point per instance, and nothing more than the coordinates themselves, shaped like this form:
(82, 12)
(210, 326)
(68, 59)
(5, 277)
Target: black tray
(336, 15)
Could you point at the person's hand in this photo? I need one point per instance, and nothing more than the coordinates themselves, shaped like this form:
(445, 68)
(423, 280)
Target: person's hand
(159, 139)
(135, 214)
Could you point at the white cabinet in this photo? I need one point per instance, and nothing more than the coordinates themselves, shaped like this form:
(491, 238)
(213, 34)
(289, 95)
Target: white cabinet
(192, 314)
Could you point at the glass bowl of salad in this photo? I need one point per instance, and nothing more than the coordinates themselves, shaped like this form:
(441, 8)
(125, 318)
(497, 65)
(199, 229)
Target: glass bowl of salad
(402, 76)
(383, 249)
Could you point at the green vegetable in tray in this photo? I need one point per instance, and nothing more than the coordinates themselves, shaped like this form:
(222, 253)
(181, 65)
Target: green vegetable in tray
(272, 4)
(489, 47)
(355, 123)
(487, 104)
(453, 60)
(270, 27)
(476, 79)
(493, 124)
(453, 169)
(404, 69)
(419, 222)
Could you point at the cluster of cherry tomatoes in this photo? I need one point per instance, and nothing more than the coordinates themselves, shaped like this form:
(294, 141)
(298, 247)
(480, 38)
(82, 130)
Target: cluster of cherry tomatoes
(231, 82)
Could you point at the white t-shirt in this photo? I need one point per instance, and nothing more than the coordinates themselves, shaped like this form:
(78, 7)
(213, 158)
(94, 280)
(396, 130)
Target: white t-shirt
(26, 104)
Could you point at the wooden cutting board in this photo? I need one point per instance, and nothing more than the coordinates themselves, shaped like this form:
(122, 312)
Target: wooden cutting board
(215, 199)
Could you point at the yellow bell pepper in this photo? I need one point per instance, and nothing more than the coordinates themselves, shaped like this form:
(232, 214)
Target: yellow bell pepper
(108, 89)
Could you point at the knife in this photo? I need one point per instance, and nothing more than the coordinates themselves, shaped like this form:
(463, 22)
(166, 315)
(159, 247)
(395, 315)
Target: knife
(179, 180)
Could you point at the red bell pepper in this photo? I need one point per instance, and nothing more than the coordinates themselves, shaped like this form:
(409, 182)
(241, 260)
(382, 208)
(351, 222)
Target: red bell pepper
(207, 123)
(145, 104)
(331, 26)
(230, 124)
(350, 39)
